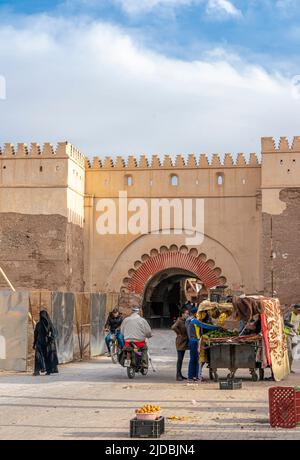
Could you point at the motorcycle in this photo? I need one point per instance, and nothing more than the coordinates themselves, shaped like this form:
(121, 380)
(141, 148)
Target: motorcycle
(132, 359)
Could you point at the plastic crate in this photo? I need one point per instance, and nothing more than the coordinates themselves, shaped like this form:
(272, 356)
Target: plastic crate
(230, 384)
(282, 407)
(147, 428)
(297, 397)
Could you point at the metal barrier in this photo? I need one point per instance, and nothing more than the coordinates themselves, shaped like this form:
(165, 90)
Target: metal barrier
(79, 319)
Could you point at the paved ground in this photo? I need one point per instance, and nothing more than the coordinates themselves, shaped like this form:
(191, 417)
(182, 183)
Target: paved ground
(95, 400)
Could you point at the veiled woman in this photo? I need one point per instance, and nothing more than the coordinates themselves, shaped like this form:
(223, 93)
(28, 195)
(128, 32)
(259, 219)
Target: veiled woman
(44, 345)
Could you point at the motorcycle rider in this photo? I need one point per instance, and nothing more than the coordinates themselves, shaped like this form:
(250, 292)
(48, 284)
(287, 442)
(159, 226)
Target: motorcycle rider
(112, 326)
(136, 329)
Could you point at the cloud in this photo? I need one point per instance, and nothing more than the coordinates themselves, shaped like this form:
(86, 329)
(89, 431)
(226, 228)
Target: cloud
(93, 84)
(133, 7)
(223, 6)
(286, 4)
(142, 6)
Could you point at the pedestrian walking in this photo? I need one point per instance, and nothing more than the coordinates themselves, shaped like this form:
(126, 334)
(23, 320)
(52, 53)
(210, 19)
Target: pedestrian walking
(44, 345)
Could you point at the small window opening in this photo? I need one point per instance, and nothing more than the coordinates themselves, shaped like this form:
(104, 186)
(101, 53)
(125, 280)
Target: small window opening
(4, 167)
(174, 180)
(41, 168)
(129, 181)
(281, 162)
(220, 179)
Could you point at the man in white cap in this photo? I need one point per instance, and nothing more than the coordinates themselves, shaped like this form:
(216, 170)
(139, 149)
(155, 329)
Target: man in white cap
(136, 329)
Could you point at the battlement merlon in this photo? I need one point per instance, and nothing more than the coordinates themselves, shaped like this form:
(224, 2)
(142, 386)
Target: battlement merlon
(268, 145)
(173, 163)
(63, 150)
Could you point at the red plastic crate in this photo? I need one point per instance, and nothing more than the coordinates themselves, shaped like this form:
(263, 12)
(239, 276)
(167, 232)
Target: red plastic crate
(282, 407)
(297, 396)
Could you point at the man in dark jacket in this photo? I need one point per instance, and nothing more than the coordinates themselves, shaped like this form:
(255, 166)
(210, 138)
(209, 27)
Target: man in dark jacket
(112, 326)
(181, 340)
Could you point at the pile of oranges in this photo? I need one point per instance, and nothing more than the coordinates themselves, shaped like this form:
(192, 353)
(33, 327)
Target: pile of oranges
(148, 409)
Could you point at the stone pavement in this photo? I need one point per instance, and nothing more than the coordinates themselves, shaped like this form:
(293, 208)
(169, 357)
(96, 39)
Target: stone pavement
(95, 400)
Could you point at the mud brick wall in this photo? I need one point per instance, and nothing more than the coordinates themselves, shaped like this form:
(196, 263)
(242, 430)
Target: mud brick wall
(286, 246)
(126, 301)
(42, 252)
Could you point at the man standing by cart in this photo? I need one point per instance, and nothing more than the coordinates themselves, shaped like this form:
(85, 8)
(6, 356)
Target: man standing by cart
(194, 327)
(181, 340)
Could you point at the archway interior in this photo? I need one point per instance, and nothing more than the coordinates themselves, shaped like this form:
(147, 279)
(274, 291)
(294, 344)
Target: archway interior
(165, 293)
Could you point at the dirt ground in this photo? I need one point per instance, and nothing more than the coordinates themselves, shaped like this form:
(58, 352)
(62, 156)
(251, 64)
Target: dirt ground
(96, 400)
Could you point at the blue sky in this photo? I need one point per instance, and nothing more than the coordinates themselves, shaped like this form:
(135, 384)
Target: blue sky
(190, 69)
(267, 31)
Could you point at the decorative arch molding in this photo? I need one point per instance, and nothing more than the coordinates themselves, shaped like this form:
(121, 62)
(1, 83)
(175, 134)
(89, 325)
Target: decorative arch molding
(173, 257)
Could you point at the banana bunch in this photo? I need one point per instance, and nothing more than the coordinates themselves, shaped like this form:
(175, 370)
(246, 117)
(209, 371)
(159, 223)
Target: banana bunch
(148, 409)
(223, 317)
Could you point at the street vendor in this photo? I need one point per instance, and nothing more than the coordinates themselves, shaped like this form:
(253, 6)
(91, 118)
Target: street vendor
(194, 330)
(252, 327)
(203, 317)
(292, 319)
(292, 330)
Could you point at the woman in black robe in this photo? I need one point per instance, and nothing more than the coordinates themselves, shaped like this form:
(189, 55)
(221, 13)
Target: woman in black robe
(44, 346)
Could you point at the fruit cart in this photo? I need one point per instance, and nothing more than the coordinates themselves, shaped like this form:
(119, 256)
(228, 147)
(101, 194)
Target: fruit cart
(232, 353)
(227, 349)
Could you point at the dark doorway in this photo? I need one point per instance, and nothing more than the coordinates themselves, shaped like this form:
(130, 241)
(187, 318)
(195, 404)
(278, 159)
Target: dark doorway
(163, 297)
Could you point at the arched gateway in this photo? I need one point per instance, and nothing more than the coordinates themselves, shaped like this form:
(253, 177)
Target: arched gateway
(159, 280)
